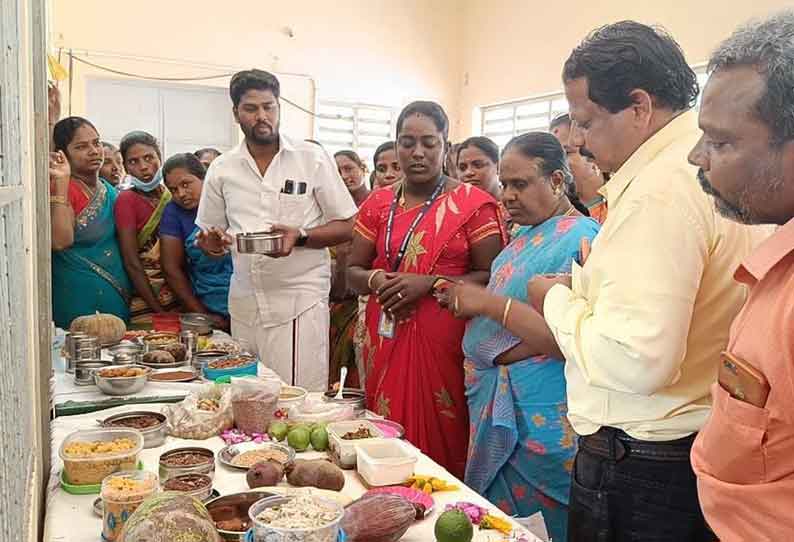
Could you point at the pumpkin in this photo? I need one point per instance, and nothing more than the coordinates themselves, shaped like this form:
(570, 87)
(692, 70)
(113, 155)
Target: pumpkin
(109, 328)
(378, 518)
(168, 517)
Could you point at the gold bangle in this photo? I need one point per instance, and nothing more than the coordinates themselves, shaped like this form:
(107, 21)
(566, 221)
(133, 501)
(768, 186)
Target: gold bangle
(372, 276)
(59, 200)
(506, 311)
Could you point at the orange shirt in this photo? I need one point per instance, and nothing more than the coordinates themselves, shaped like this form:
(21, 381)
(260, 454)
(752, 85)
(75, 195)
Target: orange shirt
(744, 456)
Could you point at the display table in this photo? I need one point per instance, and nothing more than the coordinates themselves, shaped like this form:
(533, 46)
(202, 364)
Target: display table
(70, 518)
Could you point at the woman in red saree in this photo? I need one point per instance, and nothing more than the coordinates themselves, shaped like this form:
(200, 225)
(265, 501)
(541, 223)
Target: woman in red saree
(410, 239)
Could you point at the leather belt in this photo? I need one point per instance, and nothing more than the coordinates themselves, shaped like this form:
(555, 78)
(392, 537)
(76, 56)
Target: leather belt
(615, 444)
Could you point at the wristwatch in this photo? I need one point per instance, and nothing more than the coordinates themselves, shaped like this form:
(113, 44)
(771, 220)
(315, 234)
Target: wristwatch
(303, 237)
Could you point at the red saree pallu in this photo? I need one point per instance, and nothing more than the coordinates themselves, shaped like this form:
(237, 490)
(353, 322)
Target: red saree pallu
(416, 378)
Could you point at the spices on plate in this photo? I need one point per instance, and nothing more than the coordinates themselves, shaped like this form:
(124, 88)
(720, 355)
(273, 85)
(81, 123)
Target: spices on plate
(252, 457)
(361, 433)
(122, 372)
(302, 512)
(136, 422)
(172, 376)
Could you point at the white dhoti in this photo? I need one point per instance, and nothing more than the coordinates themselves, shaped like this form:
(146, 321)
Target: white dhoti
(296, 350)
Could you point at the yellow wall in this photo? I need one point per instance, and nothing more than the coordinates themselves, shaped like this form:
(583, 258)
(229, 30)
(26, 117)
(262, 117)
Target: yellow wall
(516, 48)
(386, 52)
(462, 53)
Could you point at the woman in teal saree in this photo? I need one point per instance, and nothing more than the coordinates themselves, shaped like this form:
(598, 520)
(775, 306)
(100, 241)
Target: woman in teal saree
(87, 271)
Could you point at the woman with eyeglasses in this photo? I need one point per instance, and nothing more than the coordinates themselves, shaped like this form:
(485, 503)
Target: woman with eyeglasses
(410, 241)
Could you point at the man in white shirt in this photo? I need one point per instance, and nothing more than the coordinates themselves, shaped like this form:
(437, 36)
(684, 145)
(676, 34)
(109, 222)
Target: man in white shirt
(279, 304)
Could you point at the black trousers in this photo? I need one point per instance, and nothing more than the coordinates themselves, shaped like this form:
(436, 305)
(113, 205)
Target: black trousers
(627, 490)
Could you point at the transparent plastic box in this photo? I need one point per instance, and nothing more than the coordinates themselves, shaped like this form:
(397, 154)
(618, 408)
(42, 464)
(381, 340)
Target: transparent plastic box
(92, 469)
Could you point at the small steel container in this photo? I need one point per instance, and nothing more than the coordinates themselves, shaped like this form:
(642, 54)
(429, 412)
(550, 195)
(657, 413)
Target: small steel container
(169, 471)
(190, 340)
(82, 348)
(234, 506)
(202, 358)
(153, 436)
(202, 494)
(125, 354)
(84, 371)
(122, 385)
(260, 242)
(198, 323)
(350, 396)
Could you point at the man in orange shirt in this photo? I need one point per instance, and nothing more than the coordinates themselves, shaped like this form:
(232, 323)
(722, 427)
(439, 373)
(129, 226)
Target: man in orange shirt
(744, 456)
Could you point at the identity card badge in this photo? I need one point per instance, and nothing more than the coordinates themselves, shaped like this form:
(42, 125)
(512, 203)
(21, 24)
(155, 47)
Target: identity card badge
(386, 326)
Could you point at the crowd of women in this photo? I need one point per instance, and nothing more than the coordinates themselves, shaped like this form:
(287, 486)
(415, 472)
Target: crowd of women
(123, 223)
(434, 306)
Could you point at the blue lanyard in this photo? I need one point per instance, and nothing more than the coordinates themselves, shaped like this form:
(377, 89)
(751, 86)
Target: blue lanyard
(390, 222)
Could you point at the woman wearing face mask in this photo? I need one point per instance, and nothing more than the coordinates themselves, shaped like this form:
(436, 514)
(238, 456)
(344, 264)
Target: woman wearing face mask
(410, 239)
(344, 303)
(87, 270)
(138, 212)
(387, 168)
(200, 282)
(112, 170)
(522, 447)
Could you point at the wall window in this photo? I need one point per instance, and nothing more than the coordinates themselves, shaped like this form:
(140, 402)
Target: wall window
(359, 127)
(504, 121)
(184, 118)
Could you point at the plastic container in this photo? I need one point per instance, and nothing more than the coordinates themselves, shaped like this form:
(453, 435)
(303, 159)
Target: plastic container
(118, 504)
(92, 469)
(167, 321)
(290, 396)
(264, 532)
(249, 369)
(344, 450)
(384, 462)
(90, 489)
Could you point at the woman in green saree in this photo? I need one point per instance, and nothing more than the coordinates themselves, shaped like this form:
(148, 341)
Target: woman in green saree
(138, 212)
(87, 270)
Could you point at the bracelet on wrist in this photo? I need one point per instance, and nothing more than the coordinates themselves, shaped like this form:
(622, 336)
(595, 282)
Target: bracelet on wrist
(506, 312)
(371, 277)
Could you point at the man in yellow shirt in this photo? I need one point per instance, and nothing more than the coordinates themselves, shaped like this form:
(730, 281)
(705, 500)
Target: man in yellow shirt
(642, 324)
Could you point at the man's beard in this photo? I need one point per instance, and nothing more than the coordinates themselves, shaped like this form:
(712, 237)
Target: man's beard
(269, 139)
(764, 183)
(724, 207)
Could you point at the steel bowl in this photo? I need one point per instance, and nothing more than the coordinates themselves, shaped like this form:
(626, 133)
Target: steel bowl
(84, 371)
(261, 242)
(202, 493)
(122, 385)
(350, 396)
(168, 471)
(125, 354)
(153, 436)
(198, 323)
(234, 506)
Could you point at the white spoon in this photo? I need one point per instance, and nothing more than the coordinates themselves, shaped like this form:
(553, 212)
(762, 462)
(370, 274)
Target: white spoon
(341, 384)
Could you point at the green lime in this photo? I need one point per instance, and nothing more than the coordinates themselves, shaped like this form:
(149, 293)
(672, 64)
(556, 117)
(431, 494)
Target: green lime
(453, 526)
(278, 431)
(319, 439)
(299, 439)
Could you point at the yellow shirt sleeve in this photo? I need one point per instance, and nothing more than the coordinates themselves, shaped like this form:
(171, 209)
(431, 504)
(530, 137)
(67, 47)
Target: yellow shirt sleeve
(625, 322)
